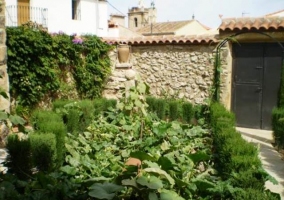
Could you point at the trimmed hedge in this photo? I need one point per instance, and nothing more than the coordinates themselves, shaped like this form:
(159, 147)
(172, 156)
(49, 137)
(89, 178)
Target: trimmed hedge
(278, 126)
(51, 122)
(44, 151)
(187, 112)
(19, 160)
(235, 159)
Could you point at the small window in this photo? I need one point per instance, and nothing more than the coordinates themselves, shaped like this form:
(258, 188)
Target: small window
(76, 12)
(135, 22)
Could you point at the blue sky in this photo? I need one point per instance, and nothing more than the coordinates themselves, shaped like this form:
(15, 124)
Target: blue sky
(205, 11)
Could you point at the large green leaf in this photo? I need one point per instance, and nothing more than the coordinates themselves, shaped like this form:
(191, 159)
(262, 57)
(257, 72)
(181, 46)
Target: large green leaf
(169, 195)
(153, 196)
(161, 173)
(203, 185)
(104, 191)
(151, 182)
(165, 163)
(17, 120)
(141, 156)
(199, 156)
(3, 115)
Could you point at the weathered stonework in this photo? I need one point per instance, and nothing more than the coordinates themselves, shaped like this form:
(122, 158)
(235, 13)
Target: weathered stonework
(226, 75)
(4, 79)
(179, 71)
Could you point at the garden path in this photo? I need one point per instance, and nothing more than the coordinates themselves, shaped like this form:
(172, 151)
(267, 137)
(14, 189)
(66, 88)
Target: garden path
(272, 161)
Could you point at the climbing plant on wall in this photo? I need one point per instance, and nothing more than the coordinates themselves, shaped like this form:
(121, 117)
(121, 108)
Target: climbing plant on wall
(38, 63)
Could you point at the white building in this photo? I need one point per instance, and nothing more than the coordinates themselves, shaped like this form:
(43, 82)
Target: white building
(69, 16)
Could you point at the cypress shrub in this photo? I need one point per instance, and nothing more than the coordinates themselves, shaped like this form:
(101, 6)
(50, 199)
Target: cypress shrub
(44, 152)
(160, 108)
(98, 106)
(173, 110)
(151, 103)
(109, 103)
(51, 122)
(73, 121)
(249, 194)
(278, 126)
(19, 160)
(60, 103)
(235, 159)
(187, 112)
(87, 108)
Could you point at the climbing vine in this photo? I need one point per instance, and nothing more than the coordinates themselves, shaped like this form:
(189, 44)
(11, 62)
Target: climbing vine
(39, 63)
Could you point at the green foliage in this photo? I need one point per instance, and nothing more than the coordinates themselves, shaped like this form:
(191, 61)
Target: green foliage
(174, 109)
(19, 160)
(38, 64)
(160, 106)
(44, 152)
(187, 112)
(31, 68)
(281, 90)
(91, 75)
(249, 194)
(278, 126)
(51, 122)
(102, 105)
(236, 160)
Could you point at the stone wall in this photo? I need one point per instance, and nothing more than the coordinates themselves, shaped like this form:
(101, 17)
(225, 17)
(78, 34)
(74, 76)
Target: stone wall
(183, 71)
(4, 80)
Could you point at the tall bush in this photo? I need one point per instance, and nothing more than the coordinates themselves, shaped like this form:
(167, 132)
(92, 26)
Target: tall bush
(51, 122)
(278, 126)
(174, 109)
(44, 151)
(187, 112)
(19, 160)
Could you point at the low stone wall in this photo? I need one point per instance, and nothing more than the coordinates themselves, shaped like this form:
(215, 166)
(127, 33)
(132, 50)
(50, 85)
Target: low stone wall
(183, 71)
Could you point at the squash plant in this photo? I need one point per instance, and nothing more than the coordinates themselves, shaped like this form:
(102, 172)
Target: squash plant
(174, 160)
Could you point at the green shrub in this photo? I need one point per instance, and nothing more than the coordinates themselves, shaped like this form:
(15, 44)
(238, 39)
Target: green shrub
(41, 117)
(249, 194)
(73, 121)
(187, 112)
(103, 104)
(160, 108)
(109, 103)
(59, 104)
(87, 109)
(278, 126)
(151, 103)
(44, 152)
(19, 160)
(51, 122)
(173, 110)
(235, 159)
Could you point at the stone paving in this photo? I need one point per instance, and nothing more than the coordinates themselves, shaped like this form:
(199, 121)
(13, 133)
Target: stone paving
(271, 160)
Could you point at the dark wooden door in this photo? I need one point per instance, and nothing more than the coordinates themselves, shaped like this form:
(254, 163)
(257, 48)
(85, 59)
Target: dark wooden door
(256, 81)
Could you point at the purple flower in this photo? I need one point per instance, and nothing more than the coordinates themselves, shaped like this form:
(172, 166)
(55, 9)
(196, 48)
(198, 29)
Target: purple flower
(77, 40)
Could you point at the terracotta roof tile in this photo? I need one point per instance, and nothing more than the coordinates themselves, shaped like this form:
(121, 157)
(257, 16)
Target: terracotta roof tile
(163, 27)
(244, 23)
(164, 39)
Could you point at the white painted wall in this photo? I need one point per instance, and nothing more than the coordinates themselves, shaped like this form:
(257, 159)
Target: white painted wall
(60, 16)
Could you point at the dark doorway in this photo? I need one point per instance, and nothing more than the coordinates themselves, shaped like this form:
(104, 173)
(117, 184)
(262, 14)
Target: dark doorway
(256, 82)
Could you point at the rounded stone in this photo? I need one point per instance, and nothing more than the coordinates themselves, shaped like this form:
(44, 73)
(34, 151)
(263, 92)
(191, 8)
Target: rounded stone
(130, 74)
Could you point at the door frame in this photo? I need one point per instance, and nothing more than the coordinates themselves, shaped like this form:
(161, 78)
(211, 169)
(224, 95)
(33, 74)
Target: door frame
(218, 79)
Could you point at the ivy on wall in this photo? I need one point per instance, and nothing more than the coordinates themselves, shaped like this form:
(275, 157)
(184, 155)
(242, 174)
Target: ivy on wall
(38, 63)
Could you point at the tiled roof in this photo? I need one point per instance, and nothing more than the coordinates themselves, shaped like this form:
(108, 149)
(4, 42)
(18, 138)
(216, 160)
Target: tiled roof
(274, 13)
(164, 39)
(163, 27)
(244, 23)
